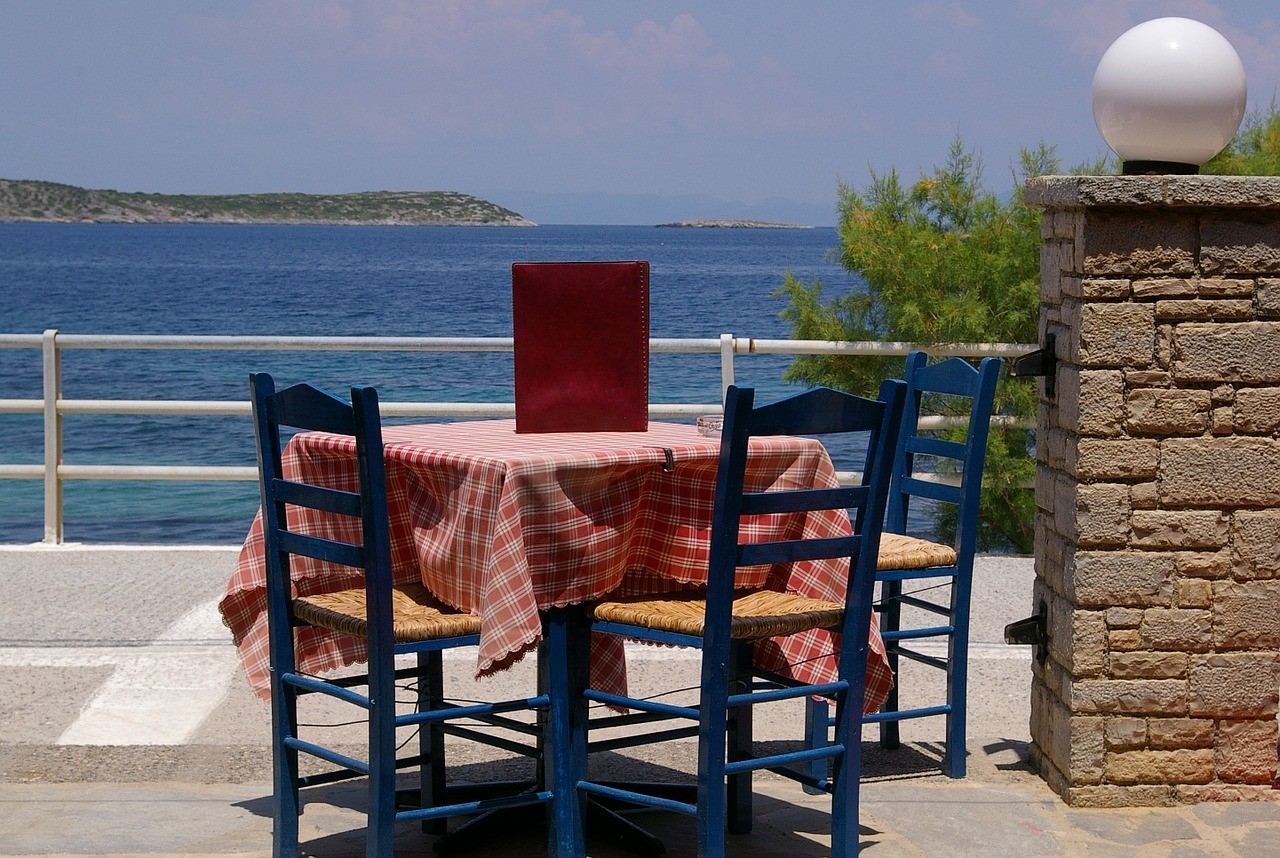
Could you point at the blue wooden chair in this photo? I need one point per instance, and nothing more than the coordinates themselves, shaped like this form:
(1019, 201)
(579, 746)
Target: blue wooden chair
(724, 623)
(393, 619)
(940, 574)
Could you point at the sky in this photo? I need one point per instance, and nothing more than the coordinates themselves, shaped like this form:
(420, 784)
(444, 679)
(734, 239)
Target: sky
(568, 111)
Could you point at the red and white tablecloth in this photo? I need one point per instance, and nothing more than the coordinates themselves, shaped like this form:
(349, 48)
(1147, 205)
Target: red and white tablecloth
(501, 524)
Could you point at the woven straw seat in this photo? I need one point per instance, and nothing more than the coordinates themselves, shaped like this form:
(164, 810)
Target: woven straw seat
(908, 552)
(416, 615)
(757, 615)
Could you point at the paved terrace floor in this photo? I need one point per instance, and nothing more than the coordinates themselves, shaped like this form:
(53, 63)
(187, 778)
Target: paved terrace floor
(126, 728)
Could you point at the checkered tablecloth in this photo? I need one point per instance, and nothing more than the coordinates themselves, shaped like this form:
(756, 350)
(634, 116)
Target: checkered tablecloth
(501, 524)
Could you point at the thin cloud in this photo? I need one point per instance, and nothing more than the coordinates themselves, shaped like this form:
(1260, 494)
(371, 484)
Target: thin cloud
(480, 67)
(948, 15)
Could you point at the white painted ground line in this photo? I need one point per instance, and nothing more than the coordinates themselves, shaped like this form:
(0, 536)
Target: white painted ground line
(160, 694)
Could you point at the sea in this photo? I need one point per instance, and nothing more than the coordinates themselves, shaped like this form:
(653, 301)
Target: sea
(293, 280)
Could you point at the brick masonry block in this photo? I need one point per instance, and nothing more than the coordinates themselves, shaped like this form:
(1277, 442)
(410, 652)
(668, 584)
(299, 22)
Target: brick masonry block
(1126, 733)
(1129, 459)
(1136, 378)
(1246, 751)
(1203, 564)
(1114, 795)
(1113, 578)
(1247, 352)
(1157, 411)
(1255, 539)
(1056, 258)
(1166, 697)
(1124, 618)
(1222, 422)
(1246, 615)
(1144, 495)
(1096, 289)
(1118, 243)
(1204, 310)
(1147, 665)
(1196, 794)
(1078, 639)
(1124, 640)
(1178, 629)
(1114, 335)
(1224, 472)
(1168, 733)
(1267, 298)
(1239, 243)
(1091, 402)
(1192, 593)
(1182, 766)
(1148, 288)
(1176, 529)
(1226, 287)
(1102, 514)
(1057, 732)
(1257, 410)
(1233, 685)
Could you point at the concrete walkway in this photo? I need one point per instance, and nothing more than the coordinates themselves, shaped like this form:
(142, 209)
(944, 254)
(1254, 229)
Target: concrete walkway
(126, 729)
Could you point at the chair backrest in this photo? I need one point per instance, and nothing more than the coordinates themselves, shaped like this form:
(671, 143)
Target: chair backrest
(817, 412)
(957, 386)
(357, 531)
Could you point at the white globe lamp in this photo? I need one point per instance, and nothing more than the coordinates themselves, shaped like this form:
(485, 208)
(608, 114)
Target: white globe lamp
(1168, 95)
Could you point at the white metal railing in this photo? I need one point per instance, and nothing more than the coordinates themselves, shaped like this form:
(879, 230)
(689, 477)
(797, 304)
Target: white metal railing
(52, 406)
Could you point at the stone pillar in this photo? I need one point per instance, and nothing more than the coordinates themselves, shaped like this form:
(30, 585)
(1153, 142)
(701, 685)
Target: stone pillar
(1158, 489)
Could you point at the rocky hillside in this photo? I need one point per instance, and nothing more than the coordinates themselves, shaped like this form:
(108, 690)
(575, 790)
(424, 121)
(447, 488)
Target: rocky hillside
(48, 201)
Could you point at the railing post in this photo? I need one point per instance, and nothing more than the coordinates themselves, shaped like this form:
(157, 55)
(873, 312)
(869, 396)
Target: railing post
(52, 438)
(726, 364)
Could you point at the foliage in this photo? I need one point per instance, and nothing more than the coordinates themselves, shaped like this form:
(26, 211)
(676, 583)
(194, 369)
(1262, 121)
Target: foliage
(946, 260)
(943, 261)
(1254, 151)
(25, 200)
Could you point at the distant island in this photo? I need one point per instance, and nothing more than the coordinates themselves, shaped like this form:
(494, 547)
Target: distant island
(731, 224)
(52, 202)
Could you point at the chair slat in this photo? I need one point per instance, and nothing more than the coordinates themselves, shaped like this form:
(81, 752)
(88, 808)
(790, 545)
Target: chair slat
(803, 500)
(317, 497)
(317, 548)
(953, 376)
(796, 550)
(930, 489)
(936, 447)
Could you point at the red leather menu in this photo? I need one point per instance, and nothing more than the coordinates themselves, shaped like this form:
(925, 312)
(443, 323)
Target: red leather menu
(581, 346)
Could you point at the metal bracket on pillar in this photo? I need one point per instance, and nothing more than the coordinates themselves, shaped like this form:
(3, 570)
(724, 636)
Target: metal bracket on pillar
(1042, 362)
(1034, 630)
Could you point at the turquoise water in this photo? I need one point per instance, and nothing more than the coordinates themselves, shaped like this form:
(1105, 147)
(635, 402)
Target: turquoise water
(326, 281)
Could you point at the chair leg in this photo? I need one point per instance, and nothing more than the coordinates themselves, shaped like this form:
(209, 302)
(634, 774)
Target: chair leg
(286, 798)
(712, 730)
(739, 727)
(286, 794)
(381, 831)
(431, 739)
(891, 620)
(847, 776)
(954, 758)
(817, 732)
